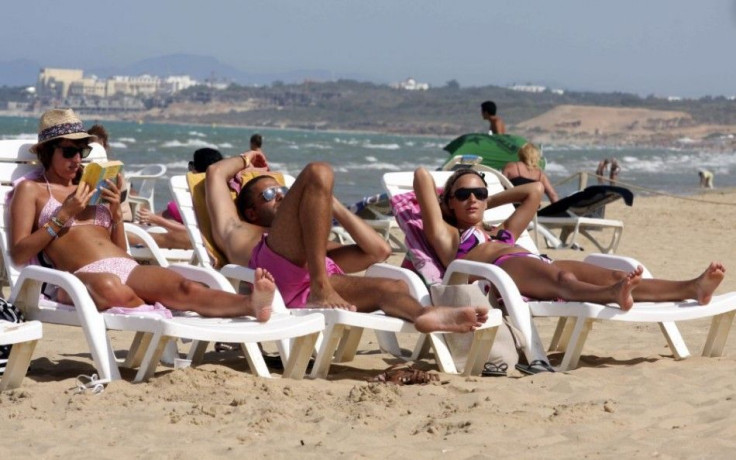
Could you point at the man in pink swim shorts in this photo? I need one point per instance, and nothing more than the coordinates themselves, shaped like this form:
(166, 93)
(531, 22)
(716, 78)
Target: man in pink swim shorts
(288, 233)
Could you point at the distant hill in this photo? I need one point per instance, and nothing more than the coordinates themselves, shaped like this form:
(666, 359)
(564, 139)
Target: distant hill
(19, 72)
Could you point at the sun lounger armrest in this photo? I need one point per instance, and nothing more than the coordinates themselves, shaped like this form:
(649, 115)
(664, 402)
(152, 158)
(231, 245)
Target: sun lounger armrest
(206, 276)
(459, 272)
(417, 289)
(148, 241)
(614, 262)
(27, 290)
(238, 273)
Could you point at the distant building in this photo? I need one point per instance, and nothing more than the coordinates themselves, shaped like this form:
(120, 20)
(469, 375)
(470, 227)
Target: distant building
(65, 83)
(411, 85)
(528, 88)
(56, 82)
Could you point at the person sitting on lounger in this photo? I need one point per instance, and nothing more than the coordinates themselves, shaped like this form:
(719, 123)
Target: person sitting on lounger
(454, 229)
(51, 214)
(287, 233)
(527, 170)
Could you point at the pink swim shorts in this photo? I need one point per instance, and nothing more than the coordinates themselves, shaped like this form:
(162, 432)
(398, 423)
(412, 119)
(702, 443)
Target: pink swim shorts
(292, 280)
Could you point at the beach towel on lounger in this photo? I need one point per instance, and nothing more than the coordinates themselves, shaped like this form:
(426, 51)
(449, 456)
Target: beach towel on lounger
(420, 257)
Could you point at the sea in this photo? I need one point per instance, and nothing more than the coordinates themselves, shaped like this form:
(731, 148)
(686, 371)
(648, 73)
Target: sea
(360, 159)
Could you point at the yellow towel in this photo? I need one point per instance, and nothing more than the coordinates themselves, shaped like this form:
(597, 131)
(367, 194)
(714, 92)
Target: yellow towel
(198, 191)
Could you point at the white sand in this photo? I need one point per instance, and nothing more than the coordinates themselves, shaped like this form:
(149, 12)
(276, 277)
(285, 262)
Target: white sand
(629, 398)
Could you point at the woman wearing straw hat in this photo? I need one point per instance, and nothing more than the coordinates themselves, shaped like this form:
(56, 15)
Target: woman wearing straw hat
(89, 241)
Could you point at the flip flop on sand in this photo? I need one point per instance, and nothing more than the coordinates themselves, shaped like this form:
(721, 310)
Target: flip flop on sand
(494, 370)
(535, 367)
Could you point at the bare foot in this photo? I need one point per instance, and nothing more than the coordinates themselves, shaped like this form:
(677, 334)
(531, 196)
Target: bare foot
(262, 296)
(451, 319)
(706, 283)
(326, 297)
(624, 288)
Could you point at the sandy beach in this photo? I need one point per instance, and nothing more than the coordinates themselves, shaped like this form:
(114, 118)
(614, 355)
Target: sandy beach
(629, 398)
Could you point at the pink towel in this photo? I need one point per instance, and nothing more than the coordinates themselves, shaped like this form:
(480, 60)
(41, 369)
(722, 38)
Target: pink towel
(420, 256)
(148, 310)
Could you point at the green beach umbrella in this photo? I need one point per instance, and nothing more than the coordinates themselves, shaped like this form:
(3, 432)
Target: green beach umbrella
(496, 150)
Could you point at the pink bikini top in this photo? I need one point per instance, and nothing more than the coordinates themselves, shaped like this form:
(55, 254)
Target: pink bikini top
(102, 215)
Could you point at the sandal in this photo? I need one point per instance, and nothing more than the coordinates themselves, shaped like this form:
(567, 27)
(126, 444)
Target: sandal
(535, 367)
(494, 370)
(402, 374)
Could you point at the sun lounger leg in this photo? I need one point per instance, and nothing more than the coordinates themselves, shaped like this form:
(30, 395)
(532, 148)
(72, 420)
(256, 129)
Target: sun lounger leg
(388, 343)
(562, 334)
(255, 359)
(576, 343)
(674, 339)
(330, 339)
(442, 353)
(348, 345)
(479, 350)
(421, 349)
(299, 356)
(17, 366)
(720, 326)
(152, 357)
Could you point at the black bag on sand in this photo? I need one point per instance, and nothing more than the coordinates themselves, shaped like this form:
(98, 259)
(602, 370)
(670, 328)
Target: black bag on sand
(10, 313)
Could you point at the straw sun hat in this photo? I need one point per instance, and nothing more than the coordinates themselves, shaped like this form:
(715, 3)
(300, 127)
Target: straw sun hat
(58, 124)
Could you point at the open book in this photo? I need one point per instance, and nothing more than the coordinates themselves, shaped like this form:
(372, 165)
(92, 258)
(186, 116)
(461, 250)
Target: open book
(95, 174)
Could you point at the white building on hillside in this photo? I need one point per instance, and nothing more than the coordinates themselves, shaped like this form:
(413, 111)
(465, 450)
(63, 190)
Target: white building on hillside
(411, 84)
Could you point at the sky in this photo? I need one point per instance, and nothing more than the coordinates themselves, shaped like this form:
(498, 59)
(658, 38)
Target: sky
(661, 47)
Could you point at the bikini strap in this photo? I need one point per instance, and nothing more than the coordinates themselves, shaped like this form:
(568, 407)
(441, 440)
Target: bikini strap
(48, 185)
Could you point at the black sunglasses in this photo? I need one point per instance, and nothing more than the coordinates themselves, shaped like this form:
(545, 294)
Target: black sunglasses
(71, 152)
(462, 194)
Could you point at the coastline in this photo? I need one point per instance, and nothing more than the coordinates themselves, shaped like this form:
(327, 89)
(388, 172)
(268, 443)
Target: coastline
(561, 126)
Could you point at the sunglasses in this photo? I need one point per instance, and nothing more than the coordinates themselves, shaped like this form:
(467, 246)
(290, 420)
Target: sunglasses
(271, 192)
(462, 194)
(71, 152)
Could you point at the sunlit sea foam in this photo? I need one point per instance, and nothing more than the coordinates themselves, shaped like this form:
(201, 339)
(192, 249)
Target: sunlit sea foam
(194, 143)
(368, 145)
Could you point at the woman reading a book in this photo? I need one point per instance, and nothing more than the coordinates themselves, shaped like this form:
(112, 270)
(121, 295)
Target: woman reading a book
(89, 240)
(453, 226)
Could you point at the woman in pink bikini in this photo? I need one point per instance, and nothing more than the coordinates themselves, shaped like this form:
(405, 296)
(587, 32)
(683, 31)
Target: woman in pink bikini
(51, 215)
(454, 229)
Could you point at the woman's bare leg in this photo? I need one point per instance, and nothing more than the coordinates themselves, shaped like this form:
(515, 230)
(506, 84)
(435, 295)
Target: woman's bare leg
(652, 290)
(106, 291)
(541, 280)
(393, 298)
(157, 284)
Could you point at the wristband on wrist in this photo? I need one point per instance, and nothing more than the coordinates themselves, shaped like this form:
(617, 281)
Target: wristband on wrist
(50, 230)
(56, 221)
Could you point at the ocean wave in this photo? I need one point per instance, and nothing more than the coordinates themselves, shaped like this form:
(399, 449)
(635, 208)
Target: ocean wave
(119, 145)
(351, 141)
(225, 145)
(368, 145)
(21, 136)
(197, 134)
(373, 166)
(129, 140)
(190, 143)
